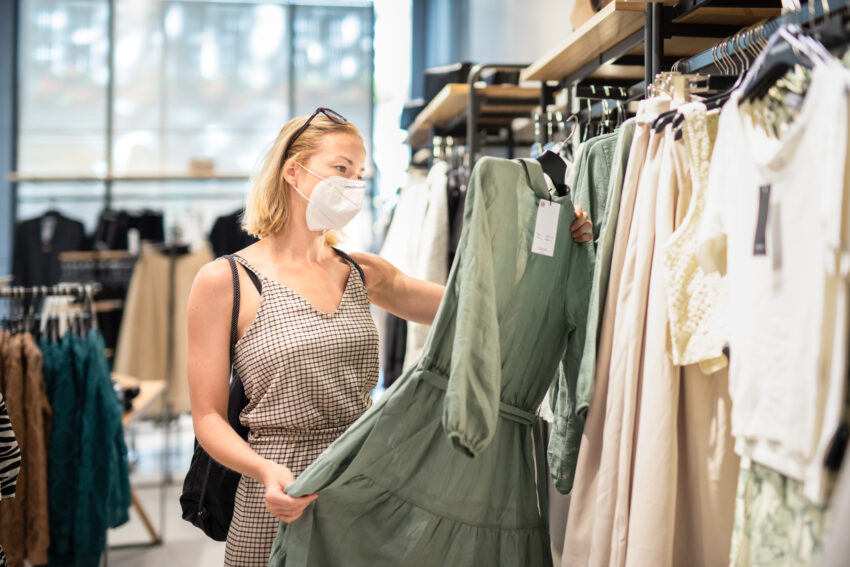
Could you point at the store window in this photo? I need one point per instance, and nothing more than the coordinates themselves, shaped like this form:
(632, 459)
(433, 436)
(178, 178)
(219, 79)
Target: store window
(187, 89)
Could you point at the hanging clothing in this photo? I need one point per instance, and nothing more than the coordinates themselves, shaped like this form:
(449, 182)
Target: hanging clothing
(431, 250)
(143, 343)
(696, 300)
(680, 412)
(227, 235)
(103, 489)
(399, 249)
(10, 459)
(308, 376)
(24, 521)
(113, 228)
(38, 243)
(569, 423)
(394, 345)
(655, 476)
(87, 470)
(590, 523)
(10, 454)
(64, 390)
(707, 464)
(837, 546)
(465, 411)
(775, 522)
(789, 335)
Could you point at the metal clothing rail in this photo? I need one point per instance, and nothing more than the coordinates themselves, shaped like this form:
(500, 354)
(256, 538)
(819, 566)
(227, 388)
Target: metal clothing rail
(751, 38)
(473, 107)
(78, 290)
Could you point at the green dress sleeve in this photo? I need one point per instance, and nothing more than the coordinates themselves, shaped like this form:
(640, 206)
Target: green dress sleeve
(471, 407)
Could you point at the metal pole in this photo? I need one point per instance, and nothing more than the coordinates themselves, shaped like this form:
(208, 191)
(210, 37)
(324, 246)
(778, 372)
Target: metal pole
(10, 24)
(110, 99)
(647, 46)
(657, 37)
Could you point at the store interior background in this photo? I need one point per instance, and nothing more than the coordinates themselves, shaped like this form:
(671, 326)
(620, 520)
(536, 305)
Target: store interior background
(83, 116)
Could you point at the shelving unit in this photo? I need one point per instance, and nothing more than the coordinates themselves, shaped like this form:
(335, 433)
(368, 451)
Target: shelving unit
(625, 44)
(612, 44)
(23, 178)
(446, 113)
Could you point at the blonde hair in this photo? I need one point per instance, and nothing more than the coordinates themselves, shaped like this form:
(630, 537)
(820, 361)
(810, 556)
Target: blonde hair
(267, 206)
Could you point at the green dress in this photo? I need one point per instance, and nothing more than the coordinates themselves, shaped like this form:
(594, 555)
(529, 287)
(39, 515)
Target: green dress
(447, 468)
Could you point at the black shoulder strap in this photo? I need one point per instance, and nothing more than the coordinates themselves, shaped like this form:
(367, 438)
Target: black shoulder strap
(254, 279)
(234, 317)
(356, 265)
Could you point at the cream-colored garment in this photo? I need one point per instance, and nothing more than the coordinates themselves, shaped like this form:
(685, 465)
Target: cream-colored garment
(590, 507)
(651, 508)
(398, 246)
(430, 261)
(657, 473)
(625, 373)
(142, 349)
(707, 470)
(695, 300)
(684, 478)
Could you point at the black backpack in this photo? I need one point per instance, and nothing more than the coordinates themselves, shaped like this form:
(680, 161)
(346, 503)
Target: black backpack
(209, 489)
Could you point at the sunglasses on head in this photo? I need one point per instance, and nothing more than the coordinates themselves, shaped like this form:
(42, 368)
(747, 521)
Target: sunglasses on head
(332, 115)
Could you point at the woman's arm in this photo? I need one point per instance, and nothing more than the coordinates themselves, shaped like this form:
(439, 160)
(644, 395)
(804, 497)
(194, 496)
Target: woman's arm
(417, 300)
(210, 305)
(403, 296)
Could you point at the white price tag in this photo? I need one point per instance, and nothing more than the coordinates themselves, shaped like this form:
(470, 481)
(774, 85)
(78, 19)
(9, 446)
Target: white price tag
(546, 228)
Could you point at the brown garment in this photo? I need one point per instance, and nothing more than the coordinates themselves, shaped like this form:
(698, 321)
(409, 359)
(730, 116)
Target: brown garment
(24, 522)
(38, 415)
(12, 511)
(143, 341)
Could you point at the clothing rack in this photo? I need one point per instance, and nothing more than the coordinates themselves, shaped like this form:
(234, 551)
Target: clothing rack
(729, 52)
(76, 290)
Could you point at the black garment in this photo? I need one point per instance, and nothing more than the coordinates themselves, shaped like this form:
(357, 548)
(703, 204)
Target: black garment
(457, 202)
(227, 236)
(114, 226)
(36, 261)
(395, 348)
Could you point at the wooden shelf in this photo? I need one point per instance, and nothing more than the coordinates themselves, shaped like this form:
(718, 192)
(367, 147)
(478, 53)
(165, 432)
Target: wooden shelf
(499, 104)
(612, 24)
(586, 48)
(149, 392)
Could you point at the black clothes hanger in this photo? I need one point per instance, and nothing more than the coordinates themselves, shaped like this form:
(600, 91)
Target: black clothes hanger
(556, 168)
(785, 50)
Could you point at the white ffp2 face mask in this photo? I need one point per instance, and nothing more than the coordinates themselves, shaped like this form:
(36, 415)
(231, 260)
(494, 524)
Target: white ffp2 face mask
(334, 203)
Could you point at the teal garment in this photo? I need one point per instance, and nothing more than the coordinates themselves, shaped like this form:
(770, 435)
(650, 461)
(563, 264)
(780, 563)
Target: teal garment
(447, 468)
(88, 475)
(599, 183)
(64, 448)
(103, 490)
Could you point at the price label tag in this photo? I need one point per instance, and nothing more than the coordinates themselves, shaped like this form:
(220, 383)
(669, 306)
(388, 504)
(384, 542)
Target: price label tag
(546, 228)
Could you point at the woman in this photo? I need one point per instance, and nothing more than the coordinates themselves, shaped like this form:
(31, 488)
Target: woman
(308, 348)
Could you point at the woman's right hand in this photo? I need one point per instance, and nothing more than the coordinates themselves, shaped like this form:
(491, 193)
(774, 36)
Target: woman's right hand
(279, 504)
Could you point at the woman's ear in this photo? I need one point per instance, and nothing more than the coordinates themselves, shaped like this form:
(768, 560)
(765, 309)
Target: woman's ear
(289, 169)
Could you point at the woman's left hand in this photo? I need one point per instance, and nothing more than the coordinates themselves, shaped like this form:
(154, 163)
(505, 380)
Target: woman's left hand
(582, 227)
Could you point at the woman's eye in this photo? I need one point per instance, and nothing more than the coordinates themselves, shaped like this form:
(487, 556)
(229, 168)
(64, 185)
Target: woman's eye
(340, 168)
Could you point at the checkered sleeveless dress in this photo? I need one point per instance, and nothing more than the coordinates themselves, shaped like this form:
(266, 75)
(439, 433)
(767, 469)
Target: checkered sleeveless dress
(308, 376)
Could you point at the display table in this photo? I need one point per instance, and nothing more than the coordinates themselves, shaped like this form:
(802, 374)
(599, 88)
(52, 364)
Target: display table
(150, 392)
